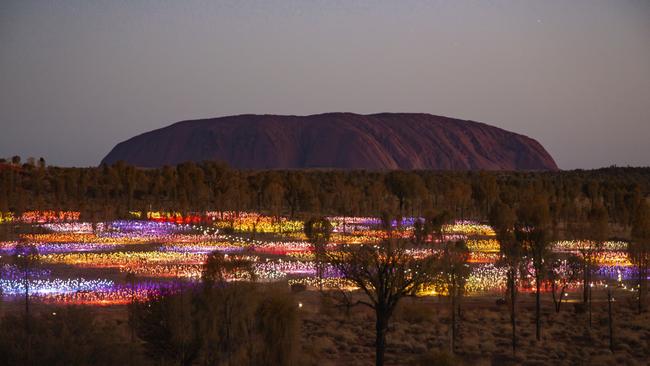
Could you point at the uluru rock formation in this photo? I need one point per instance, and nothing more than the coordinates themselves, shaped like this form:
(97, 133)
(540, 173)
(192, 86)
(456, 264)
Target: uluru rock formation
(336, 140)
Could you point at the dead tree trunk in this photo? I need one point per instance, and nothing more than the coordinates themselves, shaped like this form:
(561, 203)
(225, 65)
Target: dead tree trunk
(611, 319)
(380, 337)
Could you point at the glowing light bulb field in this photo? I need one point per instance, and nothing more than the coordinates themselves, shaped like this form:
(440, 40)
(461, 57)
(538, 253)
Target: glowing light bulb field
(83, 263)
(6, 217)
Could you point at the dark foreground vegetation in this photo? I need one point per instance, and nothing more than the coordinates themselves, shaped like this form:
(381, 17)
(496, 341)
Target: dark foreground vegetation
(326, 334)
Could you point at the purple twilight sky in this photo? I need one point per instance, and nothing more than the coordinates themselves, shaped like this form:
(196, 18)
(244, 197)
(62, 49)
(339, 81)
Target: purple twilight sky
(79, 76)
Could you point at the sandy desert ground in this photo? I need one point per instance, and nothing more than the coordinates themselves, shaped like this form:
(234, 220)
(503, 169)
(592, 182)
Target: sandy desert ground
(419, 334)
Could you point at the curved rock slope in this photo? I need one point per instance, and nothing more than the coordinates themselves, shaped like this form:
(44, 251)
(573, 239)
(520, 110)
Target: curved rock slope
(336, 140)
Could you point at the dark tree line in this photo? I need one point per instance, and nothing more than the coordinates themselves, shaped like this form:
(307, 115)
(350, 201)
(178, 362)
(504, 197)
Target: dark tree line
(113, 191)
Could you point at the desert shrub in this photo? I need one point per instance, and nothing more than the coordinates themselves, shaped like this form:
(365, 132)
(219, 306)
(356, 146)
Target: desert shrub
(277, 326)
(298, 287)
(438, 358)
(579, 308)
(328, 306)
(65, 336)
(167, 324)
(416, 312)
(227, 323)
(236, 323)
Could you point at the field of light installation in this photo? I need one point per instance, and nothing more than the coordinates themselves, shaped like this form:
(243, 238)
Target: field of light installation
(87, 263)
